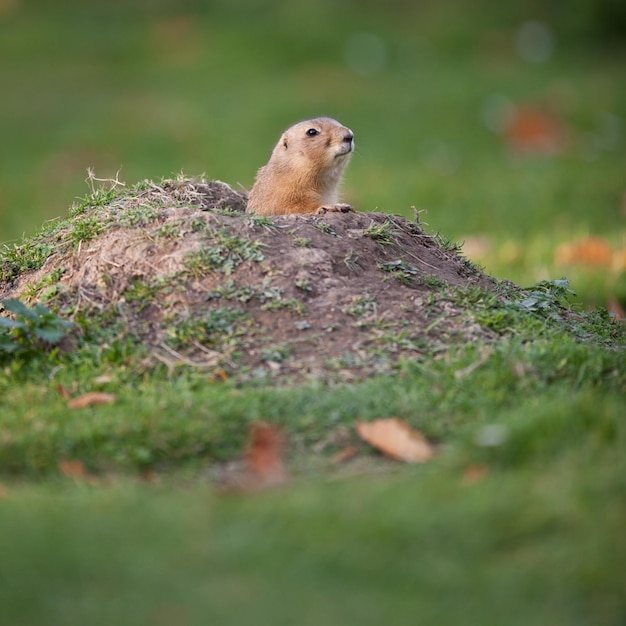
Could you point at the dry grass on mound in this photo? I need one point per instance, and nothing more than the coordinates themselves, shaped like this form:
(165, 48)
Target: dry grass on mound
(181, 268)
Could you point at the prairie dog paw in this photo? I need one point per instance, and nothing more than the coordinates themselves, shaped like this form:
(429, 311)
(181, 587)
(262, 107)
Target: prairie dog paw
(336, 208)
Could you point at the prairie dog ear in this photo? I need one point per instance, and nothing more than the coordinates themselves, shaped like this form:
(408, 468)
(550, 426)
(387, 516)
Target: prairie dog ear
(285, 141)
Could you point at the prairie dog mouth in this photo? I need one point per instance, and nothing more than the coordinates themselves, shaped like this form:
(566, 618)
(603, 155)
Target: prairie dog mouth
(347, 142)
(346, 147)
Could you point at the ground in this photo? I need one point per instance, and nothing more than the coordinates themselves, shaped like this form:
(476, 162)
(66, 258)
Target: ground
(180, 268)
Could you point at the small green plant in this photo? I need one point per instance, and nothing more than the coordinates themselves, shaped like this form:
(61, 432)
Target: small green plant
(325, 228)
(231, 291)
(304, 285)
(98, 198)
(360, 306)
(50, 281)
(252, 221)
(489, 309)
(199, 225)
(137, 216)
(533, 309)
(474, 296)
(16, 258)
(103, 194)
(431, 281)
(142, 292)
(224, 251)
(291, 304)
(32, 330)
(547, 297)
(603, 327)
(402, 271)
(213, 329)
(447, 244)
(351, 259)
(169, 230)
(381, 233)
(277, 353)
(396, 341)
(86, 229)
(302, 242)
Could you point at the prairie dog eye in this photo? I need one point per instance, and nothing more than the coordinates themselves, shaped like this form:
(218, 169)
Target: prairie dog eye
(312, 131)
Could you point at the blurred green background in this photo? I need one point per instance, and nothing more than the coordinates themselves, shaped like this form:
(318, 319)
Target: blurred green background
(504, 122)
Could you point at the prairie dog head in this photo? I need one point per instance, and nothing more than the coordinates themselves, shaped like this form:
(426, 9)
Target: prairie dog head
(320, 147)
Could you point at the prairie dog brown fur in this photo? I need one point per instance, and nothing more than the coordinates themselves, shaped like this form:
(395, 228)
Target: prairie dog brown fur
(304, 170)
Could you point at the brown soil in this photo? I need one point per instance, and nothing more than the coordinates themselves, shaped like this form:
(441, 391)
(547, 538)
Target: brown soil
(182, 269)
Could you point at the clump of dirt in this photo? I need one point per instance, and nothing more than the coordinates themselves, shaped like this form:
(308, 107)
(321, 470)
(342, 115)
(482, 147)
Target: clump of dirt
(180, 269)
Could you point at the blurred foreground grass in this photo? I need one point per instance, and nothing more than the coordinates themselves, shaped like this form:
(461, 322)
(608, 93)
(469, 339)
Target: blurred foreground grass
(113, 513)
(532, 535)
(153, 88)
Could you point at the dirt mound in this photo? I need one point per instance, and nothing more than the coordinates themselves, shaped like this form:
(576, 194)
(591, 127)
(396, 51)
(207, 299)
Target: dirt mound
(182, 270)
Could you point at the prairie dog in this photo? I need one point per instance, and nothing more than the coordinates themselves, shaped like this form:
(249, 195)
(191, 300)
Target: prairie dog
(304, 170)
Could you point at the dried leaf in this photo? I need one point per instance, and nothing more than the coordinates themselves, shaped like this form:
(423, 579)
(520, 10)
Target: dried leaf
(63, 392)
(149, 476)
(533, 130)
(76, 469)
(72, 469)
(264, 456)
(219, 376)
(474, 473)
(90, 399)
(396, 439)
(590, 251)
(345, 454)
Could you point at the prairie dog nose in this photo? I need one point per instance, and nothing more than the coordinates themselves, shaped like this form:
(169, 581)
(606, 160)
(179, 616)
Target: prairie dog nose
(348, 138)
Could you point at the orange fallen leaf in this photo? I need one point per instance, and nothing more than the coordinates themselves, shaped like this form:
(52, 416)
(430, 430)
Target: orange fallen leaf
(149, 476)
(63, 392)
(219, 375)
(264, 456)
(396, 439)
(90, 399)
(590, 251)
(474, 473)
(75, 469)
(72, 469)
(533, 130)
(345, 454)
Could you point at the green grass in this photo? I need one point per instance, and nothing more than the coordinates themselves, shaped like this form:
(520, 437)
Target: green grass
(539, 538)
(185, 419)
(537, 419)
